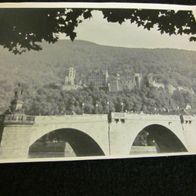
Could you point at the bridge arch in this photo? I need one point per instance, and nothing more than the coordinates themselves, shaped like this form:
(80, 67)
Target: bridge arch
(81, 143)
(163, 138)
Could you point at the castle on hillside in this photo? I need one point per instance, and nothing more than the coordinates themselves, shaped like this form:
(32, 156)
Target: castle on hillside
(114, 82)
(169, 87)
(102, 80)
(98, 79)
(118, 83)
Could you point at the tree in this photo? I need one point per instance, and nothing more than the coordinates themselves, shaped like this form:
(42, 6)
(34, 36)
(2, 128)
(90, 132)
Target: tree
(24, 29)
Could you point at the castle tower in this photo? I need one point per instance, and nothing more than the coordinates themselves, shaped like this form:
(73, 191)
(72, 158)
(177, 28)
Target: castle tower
(117, 82)
(70, 77)
(150, 79)
(106, 76)
(138, 78)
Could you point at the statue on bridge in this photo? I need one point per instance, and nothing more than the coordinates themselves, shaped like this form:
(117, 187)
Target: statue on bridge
(18, 91)
(16, 105)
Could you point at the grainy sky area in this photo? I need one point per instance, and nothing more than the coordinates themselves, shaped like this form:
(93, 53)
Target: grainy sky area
(98, 30)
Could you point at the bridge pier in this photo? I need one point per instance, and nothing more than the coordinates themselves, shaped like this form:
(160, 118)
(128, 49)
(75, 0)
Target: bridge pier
(15, 142)
(190, 134)
(166, 130)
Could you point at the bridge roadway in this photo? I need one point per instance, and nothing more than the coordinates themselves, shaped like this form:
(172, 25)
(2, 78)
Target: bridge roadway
(94, 134)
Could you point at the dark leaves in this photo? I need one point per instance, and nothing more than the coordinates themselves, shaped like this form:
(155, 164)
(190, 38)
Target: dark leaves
(148, 26)
(87, 14)
(192, 38)
(24, 29)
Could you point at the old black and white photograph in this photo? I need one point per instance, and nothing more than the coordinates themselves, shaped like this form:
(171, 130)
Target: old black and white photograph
(90, 82)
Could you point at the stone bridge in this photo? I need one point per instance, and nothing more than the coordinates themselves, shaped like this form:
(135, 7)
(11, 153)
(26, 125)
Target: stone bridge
(93, 134)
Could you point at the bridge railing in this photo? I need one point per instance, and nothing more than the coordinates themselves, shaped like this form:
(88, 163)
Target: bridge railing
(122, 117)
(19, 119)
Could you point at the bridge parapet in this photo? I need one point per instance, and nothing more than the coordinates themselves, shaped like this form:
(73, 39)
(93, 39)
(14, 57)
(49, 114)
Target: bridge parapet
(18, 119)
(189, 119)
(71, 118)
(133, 116)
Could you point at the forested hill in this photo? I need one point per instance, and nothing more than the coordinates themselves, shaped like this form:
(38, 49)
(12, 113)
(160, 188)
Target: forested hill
(35, 69)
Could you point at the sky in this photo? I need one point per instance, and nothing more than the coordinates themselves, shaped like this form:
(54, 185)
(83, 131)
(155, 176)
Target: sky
(99, 31)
